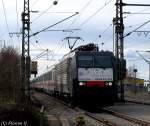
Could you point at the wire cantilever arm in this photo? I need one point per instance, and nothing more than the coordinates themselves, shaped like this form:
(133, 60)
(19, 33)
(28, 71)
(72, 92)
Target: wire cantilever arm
(53, 25)
(136, 29)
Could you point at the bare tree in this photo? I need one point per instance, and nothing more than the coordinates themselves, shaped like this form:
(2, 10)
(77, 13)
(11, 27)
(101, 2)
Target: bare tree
(130, 71)
(10, 86)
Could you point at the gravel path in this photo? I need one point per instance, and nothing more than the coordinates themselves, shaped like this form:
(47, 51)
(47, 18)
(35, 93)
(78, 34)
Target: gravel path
(54, 108)
(57, 109)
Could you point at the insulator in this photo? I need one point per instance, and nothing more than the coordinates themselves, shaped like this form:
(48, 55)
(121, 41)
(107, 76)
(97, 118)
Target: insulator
(55, 3)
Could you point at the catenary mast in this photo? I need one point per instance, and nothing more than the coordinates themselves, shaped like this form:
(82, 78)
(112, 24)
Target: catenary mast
(119, 44)
(25, 58)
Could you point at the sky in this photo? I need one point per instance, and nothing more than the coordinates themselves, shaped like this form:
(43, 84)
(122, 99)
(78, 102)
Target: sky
(92, 24)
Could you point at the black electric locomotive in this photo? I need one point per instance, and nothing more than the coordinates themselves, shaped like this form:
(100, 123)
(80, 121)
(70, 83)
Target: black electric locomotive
(85, 75)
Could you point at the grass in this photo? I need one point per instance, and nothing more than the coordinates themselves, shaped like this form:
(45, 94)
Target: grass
(23, 113)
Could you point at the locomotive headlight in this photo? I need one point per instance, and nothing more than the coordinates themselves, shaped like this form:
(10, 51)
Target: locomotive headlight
(110, 83)
(81, 83)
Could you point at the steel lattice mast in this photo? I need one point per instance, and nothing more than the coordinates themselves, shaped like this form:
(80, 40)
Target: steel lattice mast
(119, 30)
(119, 42)
(25, 59)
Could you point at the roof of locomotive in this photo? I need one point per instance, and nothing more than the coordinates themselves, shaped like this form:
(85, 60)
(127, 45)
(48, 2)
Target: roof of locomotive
(95, 52)
(76, 53)
(84, 49)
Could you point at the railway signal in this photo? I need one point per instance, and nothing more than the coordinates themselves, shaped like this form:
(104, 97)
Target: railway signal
(34, 68)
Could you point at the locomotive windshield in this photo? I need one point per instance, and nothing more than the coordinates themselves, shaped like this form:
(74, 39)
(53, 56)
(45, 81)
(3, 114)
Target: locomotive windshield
(102, 61)
(85, 61)
(96, 61)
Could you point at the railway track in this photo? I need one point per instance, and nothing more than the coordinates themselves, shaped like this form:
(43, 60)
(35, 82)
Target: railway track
(107, 117)
(98, 118)
(111, 118)
(128, 118)
(137, 102)
(101, 120)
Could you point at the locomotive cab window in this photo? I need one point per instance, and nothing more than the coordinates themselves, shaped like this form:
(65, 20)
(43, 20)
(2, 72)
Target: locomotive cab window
(85, 61)
(102, 61)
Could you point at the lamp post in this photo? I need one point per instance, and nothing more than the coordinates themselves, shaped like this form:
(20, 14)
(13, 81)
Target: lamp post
(135, 71)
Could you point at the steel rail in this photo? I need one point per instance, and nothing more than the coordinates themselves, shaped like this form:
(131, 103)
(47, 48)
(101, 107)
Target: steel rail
(101, 120)
(74, 108)
(108, 111)
(138, 102)
(128, 118)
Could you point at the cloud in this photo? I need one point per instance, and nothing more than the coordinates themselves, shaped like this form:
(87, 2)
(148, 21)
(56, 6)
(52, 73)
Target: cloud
(90, 31)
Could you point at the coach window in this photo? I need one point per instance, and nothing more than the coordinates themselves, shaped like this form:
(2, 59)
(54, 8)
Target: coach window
(50, 75)
(85, 61)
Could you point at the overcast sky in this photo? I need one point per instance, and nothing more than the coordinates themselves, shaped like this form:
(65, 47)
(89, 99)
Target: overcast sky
(94, 20)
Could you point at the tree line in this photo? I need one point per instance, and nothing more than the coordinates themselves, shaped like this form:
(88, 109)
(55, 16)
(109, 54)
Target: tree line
(10, 77)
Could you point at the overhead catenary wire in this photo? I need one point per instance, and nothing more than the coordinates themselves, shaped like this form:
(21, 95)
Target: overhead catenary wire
(34, 3)
(103, 32)
(56, 12)
(81, 11)
(106, 29)
(54, 24)
(41, 14)
(95, 13)
(59, 49)
(4, 10)
(133, 59)
(44, 29)
(17, 15)
(38, 46)
(136, 28)
(37, 43)
(45, 52)
(17, 21)
(132, 14)
(35, 46)
(62, 30)
(130, 26)
(136, 12)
